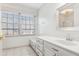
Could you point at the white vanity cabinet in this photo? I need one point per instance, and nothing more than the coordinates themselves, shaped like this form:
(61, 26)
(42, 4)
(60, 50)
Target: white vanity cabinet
(46, 48)
(39, 47)
(53, 50)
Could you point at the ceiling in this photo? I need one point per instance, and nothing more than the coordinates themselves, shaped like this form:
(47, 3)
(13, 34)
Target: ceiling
(33, 5)
(38, 5)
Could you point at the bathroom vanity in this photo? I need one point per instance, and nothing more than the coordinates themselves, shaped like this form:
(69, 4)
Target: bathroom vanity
(52, 46)
(68, 21)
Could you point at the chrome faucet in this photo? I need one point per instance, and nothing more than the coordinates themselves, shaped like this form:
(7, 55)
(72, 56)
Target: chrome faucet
(68, 37)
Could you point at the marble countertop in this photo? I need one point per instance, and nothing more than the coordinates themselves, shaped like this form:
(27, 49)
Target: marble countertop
(72, 46)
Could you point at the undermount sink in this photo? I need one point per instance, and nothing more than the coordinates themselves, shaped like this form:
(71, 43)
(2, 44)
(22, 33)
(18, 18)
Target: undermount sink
(67, 43)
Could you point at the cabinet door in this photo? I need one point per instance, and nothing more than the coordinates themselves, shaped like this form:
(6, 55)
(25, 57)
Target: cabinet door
(16, 19)
(40, 47)
(58, 50)
(50, 49)
(33, 45)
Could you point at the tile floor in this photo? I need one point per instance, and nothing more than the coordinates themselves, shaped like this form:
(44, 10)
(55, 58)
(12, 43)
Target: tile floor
(20, 51)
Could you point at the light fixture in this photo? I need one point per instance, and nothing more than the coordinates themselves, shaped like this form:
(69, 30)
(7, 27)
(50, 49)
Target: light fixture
(67, 12)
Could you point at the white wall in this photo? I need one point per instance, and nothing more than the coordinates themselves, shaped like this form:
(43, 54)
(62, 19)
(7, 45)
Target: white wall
(48, 22)
(9, 42)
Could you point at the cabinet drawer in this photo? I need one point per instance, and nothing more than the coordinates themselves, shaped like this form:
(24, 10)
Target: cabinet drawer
(39, 52)
(48, 52)
(40, 47)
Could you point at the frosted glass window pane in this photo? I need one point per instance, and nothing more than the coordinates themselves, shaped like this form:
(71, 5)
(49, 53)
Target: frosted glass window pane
(4, 25)
(10, 16)
(10, 32)
(10, 20)
(32, 31)
(27, 18)
(32, 27)
(27, 26)
(16, 19)
(15, 32)
(27, 22)
(31, 22)
(4, 15)
(23, 27)
(20, 22)
(23, 21)
(15, 25)
(30, 18)
(21, 18)
(10, 25)
(27, 32)
(16, 16)
(4, 19)
(23, 32)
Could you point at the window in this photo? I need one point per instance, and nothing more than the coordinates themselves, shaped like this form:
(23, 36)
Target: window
(13, 24)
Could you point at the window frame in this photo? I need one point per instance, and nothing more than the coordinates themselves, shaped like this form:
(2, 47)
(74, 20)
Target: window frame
(19, 29)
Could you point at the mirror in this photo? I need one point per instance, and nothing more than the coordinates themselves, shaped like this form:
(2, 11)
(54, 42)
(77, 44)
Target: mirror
(68, 18)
